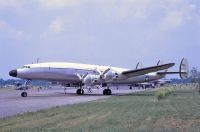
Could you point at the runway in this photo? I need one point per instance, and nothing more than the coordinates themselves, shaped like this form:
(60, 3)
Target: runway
(11, 103)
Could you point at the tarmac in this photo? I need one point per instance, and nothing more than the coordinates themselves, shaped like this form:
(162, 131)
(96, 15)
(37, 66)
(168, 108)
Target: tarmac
(11, 102)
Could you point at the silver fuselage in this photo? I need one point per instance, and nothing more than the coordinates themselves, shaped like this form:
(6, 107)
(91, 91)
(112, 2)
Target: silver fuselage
(67, 72)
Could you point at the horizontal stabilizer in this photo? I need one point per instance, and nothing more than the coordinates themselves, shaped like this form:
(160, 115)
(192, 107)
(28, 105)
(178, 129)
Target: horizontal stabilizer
(167, 73)
(183, 70)
(143, 71)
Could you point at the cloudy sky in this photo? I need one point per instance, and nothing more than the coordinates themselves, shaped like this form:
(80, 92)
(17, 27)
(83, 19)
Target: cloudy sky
(105, 32)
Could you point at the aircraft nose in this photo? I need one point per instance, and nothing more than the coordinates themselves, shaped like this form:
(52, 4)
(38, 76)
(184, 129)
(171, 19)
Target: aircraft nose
(13, 73)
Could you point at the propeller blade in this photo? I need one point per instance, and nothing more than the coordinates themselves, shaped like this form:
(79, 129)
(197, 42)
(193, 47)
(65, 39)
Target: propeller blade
(107, 70)
(79, 76)
(85, 75)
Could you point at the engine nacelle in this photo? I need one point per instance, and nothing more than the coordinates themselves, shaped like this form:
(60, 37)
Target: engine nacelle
(111, 75)
(91, 79)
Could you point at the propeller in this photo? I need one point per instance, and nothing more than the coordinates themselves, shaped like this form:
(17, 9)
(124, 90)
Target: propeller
(102, 74)
(81, 77)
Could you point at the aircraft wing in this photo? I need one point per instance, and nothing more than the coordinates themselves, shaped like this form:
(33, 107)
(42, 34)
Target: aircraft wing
(143, 71)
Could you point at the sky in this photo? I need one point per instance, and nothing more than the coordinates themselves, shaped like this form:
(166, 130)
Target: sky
(103, 32)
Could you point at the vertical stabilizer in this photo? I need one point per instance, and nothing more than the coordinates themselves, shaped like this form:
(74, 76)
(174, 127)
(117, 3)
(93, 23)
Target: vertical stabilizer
(184, 69)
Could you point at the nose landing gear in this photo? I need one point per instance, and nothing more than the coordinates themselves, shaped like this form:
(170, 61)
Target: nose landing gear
(107, 92)
(24, 93)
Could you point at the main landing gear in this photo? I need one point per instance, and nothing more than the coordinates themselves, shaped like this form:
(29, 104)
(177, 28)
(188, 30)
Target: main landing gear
(24, 93)
(80, 91)
(107, 91)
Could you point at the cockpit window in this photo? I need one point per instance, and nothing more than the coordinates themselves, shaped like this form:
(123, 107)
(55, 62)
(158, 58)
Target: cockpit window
(26, 67)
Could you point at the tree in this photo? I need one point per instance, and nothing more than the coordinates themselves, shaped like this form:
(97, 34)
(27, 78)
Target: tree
(195, 74)
(1, 83)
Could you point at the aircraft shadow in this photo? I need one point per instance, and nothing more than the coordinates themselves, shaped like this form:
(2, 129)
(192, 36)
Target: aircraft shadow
(57, 94)
(74, 94)
(62, 94)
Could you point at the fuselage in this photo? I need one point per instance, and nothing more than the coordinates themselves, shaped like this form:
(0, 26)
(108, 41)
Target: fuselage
(67, 72)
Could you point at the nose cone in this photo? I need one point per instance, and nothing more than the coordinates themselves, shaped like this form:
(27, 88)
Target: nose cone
(13, 73)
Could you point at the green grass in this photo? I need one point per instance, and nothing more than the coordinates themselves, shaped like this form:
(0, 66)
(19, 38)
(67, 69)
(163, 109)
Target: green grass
(164, 92)
(179, 111)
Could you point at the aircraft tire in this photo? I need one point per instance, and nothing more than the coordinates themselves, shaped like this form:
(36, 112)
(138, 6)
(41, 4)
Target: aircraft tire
(82, 91)
(78, 91)
(24, 94)
(109, 92)
(105, 92)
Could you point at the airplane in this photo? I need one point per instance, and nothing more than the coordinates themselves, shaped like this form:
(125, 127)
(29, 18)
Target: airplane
(153, 84)
(162, 82)
(83, 75)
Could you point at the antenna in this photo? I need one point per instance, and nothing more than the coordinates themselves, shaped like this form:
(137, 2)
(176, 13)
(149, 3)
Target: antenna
(38, 60)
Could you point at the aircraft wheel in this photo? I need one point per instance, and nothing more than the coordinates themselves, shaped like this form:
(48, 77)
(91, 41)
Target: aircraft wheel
(78, 91)
(82, 92)
(131, 87)
(24, 94)
(105, 92)
(109, 92)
